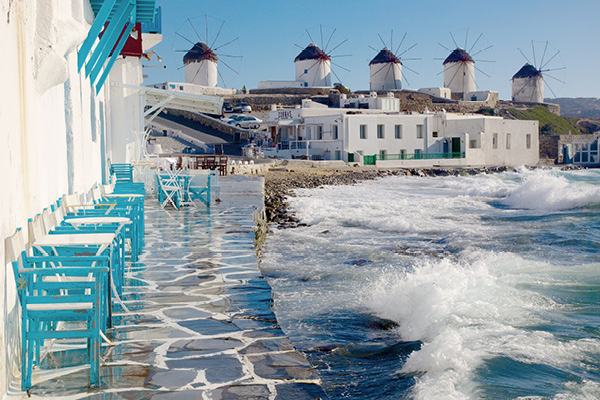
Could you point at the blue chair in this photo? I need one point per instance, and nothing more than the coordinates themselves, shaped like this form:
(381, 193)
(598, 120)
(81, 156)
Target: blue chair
(61, 298)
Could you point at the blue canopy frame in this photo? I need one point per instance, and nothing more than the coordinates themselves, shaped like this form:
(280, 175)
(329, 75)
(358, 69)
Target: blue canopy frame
(121, 16)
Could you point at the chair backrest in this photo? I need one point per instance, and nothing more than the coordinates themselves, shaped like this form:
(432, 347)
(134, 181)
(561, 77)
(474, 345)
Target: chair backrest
(122, 172)
(47, 220)
(35, 227)
(14, 250)
(108, 188)
(97, 195)
(71, 201)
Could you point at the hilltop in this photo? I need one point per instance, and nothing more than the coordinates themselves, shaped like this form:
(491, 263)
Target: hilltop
(577, 107)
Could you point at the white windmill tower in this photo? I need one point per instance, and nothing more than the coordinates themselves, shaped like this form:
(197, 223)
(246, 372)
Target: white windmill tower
(203, 61)
(313, 67)
(459, 71)
(200, 65)
(385, 69)
(528, 82)
(459, 66)
(314, 63)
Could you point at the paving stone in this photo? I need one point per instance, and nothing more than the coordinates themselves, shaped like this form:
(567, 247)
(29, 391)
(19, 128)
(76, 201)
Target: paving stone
(195, 347)
(218, 369)
(209, 326)
(181, 313)
(268, 345)
(241, 392)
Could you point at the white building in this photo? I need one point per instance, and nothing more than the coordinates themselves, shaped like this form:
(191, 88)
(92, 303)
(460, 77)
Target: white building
(385, 71)
(528, 85)
(313, 69)
(459, 72)
(373, 102)
(393, 139)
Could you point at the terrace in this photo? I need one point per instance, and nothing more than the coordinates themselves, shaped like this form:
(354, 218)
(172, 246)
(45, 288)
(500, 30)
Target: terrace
(199, 324)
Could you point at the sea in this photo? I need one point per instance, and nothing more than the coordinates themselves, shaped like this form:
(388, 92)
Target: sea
(453, 287)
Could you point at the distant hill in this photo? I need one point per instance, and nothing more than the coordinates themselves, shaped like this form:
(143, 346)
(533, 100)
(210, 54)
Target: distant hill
(577, 107)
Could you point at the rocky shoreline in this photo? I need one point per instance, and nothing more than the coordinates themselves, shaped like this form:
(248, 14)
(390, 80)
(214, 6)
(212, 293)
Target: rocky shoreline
(280, 183)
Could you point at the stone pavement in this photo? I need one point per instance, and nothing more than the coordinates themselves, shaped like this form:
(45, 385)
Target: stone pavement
(200, 324)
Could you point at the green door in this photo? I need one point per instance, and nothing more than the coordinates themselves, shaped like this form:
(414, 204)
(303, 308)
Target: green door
(350, 157)
(455, 147)
(369, 160)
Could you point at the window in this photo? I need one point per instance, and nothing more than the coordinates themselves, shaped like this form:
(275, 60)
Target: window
(338, 155)
(306, 71)
(180, 87)
(419, 131)
(382, 154)
(334, 131)
(363, 131)
(508, 141)
(495, 141)
(398, 131)
(402, 154)
(473, 144)
(434, 134)
(319, 133)
(380, 131)
(417, 153)
(528, 140)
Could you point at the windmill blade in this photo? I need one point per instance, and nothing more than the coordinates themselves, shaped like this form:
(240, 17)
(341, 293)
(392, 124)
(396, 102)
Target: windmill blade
(341, 55)
(308, 33)
(553, 77)
(226, 44)
(551, 58)
(523, 87)
(178, 34)
(328, 40)
(452, 36)
(298, 46)
(544, 54)
(340, 67)
(390, 68)
(206, 24)
(412, 59)
(487, 61)
(533, 50)
(553, 69)
(443, 46)
(392, 40)
(321, 29)
(402, 41)
(344, 41)
(373, 48)
(225, 64)
(406, 79)
(194, 29)
(218, 33)
(196, 74)
(380, 38)
(222, 79)
(474, 43)
(447, 68)
(315, 75)
(524, 56)
(479, 69)
(228, 55)
(481, 51)
(410, 48)
(411, 70)
(466, 38)
(336, 75)
(180, 51)
(549, 87)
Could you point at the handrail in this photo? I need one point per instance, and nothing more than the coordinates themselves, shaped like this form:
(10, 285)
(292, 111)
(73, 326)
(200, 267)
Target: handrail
(418, 156)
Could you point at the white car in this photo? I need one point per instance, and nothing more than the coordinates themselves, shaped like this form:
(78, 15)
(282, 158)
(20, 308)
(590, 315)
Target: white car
(249, 122)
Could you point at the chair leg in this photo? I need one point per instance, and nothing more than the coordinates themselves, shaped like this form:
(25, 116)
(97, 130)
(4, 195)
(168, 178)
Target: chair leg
(25, 377)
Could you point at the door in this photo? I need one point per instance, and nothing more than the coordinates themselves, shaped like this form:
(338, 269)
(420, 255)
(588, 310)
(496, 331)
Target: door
(455, 147)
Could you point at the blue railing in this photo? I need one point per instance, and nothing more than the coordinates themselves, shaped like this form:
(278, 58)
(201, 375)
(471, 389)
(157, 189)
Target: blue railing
(156, 26)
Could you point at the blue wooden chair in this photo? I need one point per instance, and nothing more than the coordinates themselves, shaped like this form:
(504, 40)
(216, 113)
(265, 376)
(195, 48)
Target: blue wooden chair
(61, 298)
(199, 186)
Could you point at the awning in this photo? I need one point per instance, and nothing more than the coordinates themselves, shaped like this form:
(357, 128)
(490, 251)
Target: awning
(114, 22)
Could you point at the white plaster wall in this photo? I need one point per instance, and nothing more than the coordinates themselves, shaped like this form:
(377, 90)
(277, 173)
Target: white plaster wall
(528, 89)
(386, 76)
(318, 75)
(126, 118)
(194, 89)
(202, 73)
(460, 76)
(48, 117)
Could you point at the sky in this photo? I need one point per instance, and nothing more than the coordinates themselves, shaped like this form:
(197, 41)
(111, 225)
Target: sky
(269, 33)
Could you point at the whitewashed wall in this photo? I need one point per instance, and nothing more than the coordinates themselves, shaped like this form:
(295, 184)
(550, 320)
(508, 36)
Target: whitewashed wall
(54, 129)
(318, 75)
(202, 73)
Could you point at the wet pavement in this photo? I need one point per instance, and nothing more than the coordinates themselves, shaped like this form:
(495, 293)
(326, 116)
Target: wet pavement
(200, 324)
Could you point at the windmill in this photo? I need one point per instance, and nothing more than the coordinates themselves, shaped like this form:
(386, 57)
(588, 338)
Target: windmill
(459, 66)
(385, 69)
(313, 64)
(528, 82)
(204, 53)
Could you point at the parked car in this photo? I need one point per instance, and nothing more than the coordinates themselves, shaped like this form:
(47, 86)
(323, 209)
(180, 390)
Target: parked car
(233, 119)
(242, 107)
(249, 122)
(227, 107)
